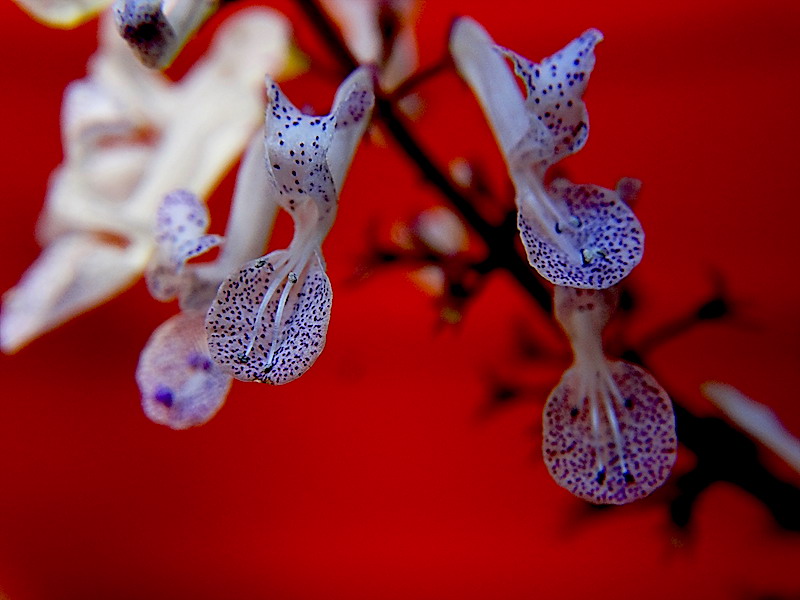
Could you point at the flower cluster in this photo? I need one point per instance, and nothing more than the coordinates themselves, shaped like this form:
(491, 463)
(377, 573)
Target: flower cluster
(609, 428)
(143, 153)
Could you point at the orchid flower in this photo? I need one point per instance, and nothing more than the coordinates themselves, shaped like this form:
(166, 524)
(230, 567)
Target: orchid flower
(130, 137)
(181, 385)
(269, 320)
(364, 24)
(64, 14)
(157, 29)
(609, 428)
(582, 236)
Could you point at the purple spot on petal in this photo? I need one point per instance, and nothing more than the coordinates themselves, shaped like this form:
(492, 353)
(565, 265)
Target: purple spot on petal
(198, 361)
(164, 396)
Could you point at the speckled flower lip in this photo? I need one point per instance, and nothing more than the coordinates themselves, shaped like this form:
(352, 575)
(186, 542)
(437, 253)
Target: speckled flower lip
(575, 235)
(269, 319)
(609, 428)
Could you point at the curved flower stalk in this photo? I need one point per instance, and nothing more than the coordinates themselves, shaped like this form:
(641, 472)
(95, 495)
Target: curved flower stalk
(181, 385)
(130, 137)
(609, 428)
(364, 25)
(64, 14)
(269, 320)
(157, 29)
(581, 236)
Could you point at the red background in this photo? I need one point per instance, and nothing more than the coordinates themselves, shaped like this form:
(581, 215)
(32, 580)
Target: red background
(380, 473)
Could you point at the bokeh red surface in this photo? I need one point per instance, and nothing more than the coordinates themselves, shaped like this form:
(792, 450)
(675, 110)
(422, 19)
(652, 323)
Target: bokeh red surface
(381, 474)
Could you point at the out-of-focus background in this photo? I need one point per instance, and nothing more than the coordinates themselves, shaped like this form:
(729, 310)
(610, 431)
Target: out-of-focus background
(388, 471)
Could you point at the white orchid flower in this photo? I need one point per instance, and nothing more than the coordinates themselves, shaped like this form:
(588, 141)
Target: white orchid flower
(64, 14)
(581, 236)
(269, 320)
(364, 23)
(130, 137)
(157, 29)
(609, 428)
(181, 385)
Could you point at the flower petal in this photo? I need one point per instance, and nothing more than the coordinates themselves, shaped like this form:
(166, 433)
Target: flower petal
(296, 146)
(157, 30)
(295, 319)
(309, 156)
(252, 214)
(181, 224)
(594, 243)
(365, 24)
(491, 81)
(755, 419)
(554, 91)
(73, 274)
(62, 13)
(351, 112)
(586, 460)
(181, 386)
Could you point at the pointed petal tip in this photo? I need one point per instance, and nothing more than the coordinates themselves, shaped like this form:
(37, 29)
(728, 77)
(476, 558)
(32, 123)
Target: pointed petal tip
(147, 30)
(466, 28)
(15, 331)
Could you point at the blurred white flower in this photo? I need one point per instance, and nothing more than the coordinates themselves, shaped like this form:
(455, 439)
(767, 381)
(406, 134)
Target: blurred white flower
(181, 385)
(130, 137)
(381, 33)
(157, 29)
(63, 13)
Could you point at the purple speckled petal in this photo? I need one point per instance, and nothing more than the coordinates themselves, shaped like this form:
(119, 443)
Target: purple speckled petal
(589, 460)
(308, 156)
(595, 243)
(181, 218)
(296, 145)
(181, 386)
(554, 90)
(256, 349)
(181, 224)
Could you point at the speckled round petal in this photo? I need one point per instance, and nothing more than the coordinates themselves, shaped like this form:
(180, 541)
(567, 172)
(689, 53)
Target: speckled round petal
(554, 91)
(243, 346)
(589, 463)
(181, 386)
(595, 243)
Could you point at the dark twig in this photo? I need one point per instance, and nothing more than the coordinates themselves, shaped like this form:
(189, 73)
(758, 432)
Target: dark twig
(414, 81)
